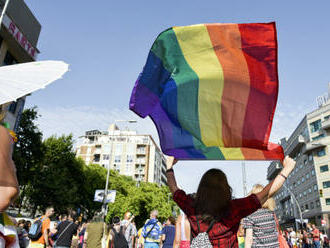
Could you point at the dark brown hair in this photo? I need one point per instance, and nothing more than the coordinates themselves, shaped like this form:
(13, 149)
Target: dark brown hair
(213, 197)
(172, 220)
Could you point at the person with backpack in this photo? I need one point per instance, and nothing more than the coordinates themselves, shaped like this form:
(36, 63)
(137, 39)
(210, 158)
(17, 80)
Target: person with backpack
(38, 232)
(213, 214)
(116, 237)
(130, 232)
(65, 230)
(152, 231)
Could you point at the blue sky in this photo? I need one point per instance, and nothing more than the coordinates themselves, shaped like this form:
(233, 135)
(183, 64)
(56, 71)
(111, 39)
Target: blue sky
(106, 44)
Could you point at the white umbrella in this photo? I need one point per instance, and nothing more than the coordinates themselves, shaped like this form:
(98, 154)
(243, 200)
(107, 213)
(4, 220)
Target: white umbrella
(21, 79)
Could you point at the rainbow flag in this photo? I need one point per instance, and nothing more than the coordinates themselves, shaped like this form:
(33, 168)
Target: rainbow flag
(211, 90)
(8, 232)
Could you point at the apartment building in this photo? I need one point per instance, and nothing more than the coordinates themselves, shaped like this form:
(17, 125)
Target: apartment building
(19, 36)
(131, 154)
(305, 195)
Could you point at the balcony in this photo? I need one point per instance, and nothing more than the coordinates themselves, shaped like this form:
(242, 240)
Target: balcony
(295, 145)
(313, 145)
(326, 124)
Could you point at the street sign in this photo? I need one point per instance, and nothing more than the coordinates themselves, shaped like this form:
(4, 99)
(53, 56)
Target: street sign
(99, 194)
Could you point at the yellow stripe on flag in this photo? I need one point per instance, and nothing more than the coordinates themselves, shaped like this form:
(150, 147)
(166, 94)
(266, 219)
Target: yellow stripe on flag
(199, 53)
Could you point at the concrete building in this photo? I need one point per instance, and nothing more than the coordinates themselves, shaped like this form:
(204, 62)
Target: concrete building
(19, 36)
(131, 154)
(306, 192)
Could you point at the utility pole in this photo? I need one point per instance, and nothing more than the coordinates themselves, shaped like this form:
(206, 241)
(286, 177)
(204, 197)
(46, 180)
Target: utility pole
(244, 178)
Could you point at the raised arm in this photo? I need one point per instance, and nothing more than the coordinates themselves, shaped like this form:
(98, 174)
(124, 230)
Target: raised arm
(276, 184)
(171, 182)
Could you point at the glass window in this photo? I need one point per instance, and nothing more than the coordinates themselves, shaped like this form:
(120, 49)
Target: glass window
(310, 190)
(318, 137)
(305, 193)
(9, 59)
(128, 167)
(129, 159)
(318, 203)
(299, 182)
(315, 126)
(321, 152)
(306, 206)
(305, 161)
(327, 201)
(300, 166)
(327, 117)
(310, 157)
(307, 176)
(302, 179)
(324, 168)
(326, 184)
(12, 107)
(300, 195)
(117, 159)
(315, 187)
(106, 156)
(313, 172)
(312, 205)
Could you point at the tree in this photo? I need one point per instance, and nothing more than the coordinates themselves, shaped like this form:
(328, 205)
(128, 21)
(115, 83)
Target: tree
(138, 200)
(61, 178)
(28, 151)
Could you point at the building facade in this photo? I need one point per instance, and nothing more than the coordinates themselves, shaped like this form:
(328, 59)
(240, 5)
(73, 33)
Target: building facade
(19, 36)
(305, 195)
(131, 154)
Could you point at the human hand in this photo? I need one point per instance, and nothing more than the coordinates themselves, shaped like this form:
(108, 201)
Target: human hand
(288, 164)
(170, 162)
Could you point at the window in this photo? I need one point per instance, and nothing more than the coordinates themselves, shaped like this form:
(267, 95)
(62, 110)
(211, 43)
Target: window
(315, 126)
(300, 166)
(307, 176)
(305, 161)
(306, 206)
(313, 172)
(9, 59)
(318, 137)
(327, 201)
(327, 117)
(315, 187)
(302, 179)
(318, 203)
(117, 159)
(312, 205)
(310, 190)
(119, 149)
(326, 184)
(299, 182)
(310, 157)
(300, 195)
(324, 168)
(129, 159)
(321, 152)
(106, 157)
(128, 168)
(305, 193)
(12, 107)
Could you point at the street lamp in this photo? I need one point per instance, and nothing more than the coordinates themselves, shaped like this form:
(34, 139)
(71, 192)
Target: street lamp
(297, 203)
(104, 205)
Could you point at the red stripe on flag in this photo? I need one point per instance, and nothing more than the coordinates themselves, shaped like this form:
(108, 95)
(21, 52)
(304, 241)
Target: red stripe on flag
(259, 46)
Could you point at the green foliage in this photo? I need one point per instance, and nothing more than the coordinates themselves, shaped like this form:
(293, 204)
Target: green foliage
(138, 200)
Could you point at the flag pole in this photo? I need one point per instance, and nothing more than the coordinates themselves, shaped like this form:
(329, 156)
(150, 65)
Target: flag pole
(3, 12)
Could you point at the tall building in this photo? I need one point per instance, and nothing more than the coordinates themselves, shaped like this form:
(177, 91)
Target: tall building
(126, 151)
(306, 193)
(19, 36)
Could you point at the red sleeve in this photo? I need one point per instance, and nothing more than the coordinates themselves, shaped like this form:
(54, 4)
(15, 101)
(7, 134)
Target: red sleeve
(184, 201)
(244, 206)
